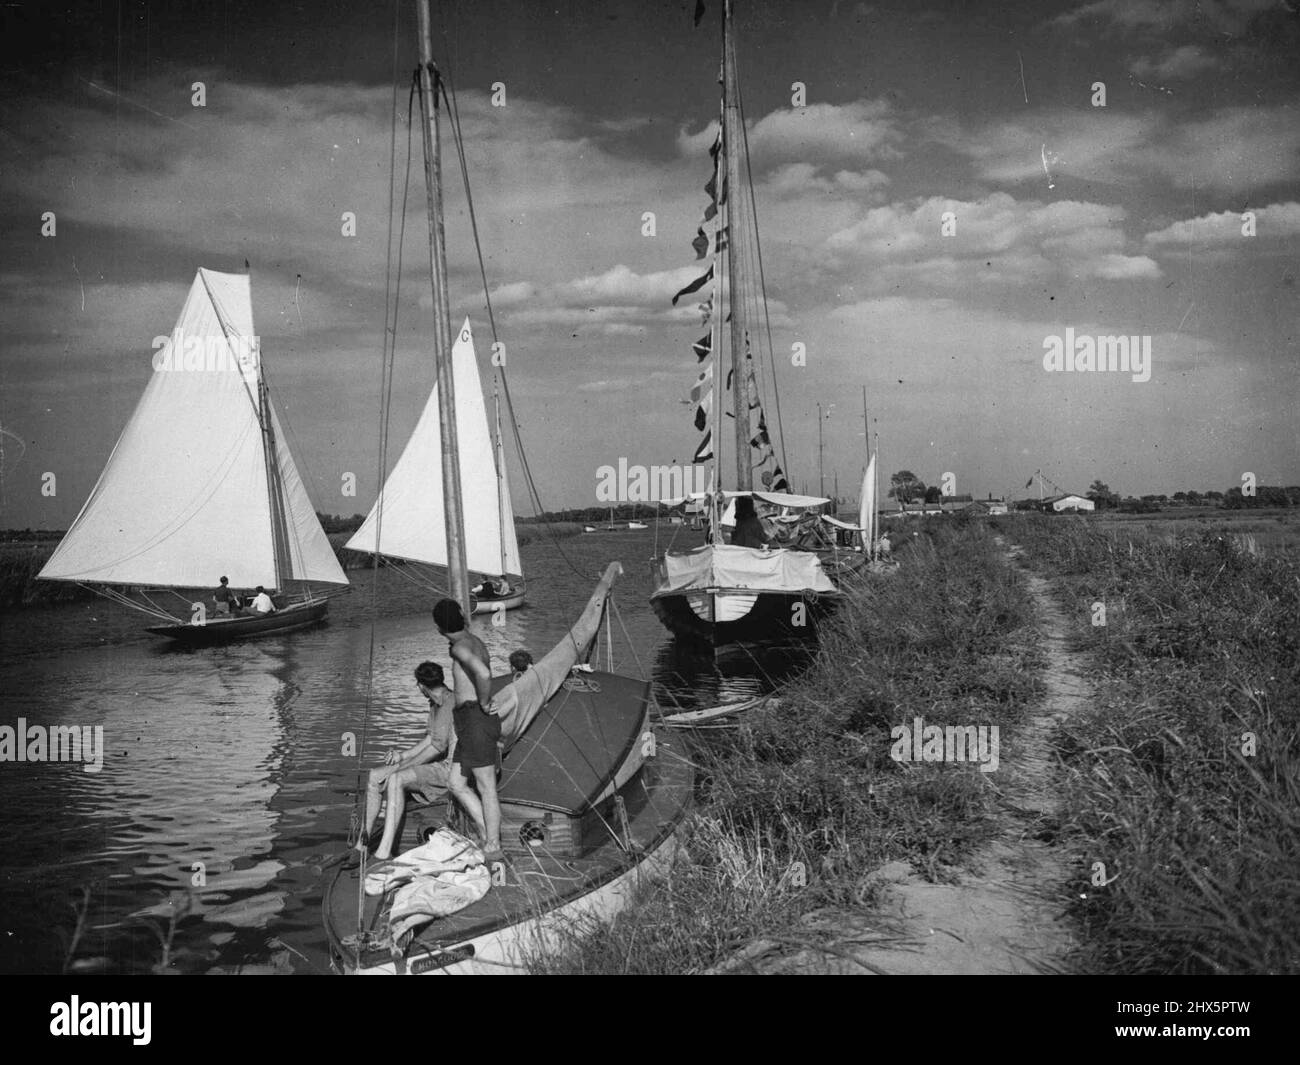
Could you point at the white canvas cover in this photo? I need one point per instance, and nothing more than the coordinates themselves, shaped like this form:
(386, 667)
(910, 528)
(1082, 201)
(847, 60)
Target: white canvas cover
(183, 499)
(743, 569)
(413, 524)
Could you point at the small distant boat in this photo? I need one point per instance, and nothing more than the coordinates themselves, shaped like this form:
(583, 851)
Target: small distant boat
(588, 528)
(201, 484)
(412, 499)
(637, 525)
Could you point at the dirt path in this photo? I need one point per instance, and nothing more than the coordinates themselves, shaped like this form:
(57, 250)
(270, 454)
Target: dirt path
(1006, 915)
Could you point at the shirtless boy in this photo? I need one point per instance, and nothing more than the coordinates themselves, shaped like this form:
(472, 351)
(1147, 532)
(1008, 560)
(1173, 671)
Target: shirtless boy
(426, 767)
(478, 729)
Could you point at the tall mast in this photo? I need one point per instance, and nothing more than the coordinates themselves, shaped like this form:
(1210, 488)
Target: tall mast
(274, 487)
(430, 81)
(733, 143)
(501, 471)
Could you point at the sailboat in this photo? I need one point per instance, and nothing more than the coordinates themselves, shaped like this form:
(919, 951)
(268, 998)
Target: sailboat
(723, 593)
(590, 798)
(412, 499)
(201, 484)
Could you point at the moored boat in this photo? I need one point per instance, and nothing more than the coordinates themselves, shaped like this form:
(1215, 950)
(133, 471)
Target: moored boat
(756, 588)
(590, 799)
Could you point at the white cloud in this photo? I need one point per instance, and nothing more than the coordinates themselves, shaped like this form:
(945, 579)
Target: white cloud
(1225, 227)
(1184, 62)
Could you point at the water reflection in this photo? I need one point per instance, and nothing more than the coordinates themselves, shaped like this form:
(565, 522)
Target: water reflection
(243, 758)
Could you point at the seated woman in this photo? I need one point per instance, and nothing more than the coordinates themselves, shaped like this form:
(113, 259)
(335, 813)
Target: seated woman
(749, 529)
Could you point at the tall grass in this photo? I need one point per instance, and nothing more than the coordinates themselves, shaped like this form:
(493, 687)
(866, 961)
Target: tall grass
(19, 565)
(1185, 774)
(800, 807)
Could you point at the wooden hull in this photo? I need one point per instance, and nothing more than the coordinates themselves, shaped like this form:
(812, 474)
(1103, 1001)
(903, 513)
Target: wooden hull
(246, 626)
(720, 616)
(580, 868)
(484, 605)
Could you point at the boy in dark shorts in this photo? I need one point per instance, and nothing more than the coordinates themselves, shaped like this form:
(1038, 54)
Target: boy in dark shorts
(478, 729)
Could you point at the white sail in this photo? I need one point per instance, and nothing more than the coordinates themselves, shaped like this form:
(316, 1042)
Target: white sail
(867, 507)
(505, 512)
(184, 497)
(412, 498)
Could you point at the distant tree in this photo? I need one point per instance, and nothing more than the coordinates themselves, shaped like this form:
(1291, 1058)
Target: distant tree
(934, 494)
(906, 487)
(1216, 496)
(1101, 495)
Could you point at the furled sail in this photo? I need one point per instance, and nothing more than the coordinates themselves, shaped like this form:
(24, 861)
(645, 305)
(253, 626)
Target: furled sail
(412, 498)
(519, 702)
(184, 497)
(867, 506)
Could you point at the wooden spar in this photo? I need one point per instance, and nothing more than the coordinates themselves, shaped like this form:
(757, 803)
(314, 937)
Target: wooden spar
(457, 570)
(733, 144)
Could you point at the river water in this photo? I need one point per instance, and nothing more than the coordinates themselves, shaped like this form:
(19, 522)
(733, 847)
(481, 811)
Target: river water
(208, 836)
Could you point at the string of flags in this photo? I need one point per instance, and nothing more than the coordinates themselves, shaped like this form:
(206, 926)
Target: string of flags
(773, 477)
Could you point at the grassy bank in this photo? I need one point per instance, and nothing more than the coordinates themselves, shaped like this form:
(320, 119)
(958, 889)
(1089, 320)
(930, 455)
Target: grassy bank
(19, 565)
(804, 803)
(21, 562)
(1184, 776)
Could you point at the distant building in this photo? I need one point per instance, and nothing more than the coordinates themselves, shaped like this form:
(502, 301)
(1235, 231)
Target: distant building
(1068, 501)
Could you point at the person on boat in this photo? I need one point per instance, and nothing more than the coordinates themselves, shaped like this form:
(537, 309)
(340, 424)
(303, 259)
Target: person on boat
(520, 661)
(749, 528)
(425, 769)
(262, 603)
(226, 600)
(478, 728)
(490, 588)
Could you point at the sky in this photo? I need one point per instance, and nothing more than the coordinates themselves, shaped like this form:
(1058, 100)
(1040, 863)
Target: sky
(949, 194)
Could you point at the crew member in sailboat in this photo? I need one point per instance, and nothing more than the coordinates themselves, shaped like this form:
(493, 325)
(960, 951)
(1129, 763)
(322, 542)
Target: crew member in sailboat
(262, 603)
(425, 768)
(749, 529)
(497, 588)
(478, 728)
(226, 600)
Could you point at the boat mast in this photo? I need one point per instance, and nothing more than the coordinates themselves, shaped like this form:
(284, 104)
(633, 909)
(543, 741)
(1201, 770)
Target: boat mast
(430, 82)
(733, 143)
(274, 486)
(501, 471)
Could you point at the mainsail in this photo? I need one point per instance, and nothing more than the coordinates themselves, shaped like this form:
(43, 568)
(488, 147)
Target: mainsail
(413, 523)
(187, 494)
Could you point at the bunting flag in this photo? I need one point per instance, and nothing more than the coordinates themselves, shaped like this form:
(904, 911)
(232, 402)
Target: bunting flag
(703, 346)
(700, 244)
(1029, 483)
(695, 285)
(705, 451)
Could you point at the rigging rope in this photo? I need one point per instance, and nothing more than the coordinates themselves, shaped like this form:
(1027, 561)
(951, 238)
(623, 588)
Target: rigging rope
(392, 288)
(534, 496)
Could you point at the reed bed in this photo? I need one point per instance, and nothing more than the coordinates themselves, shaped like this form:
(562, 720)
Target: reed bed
(1184, 776)
(803, 804)
(19, 565)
